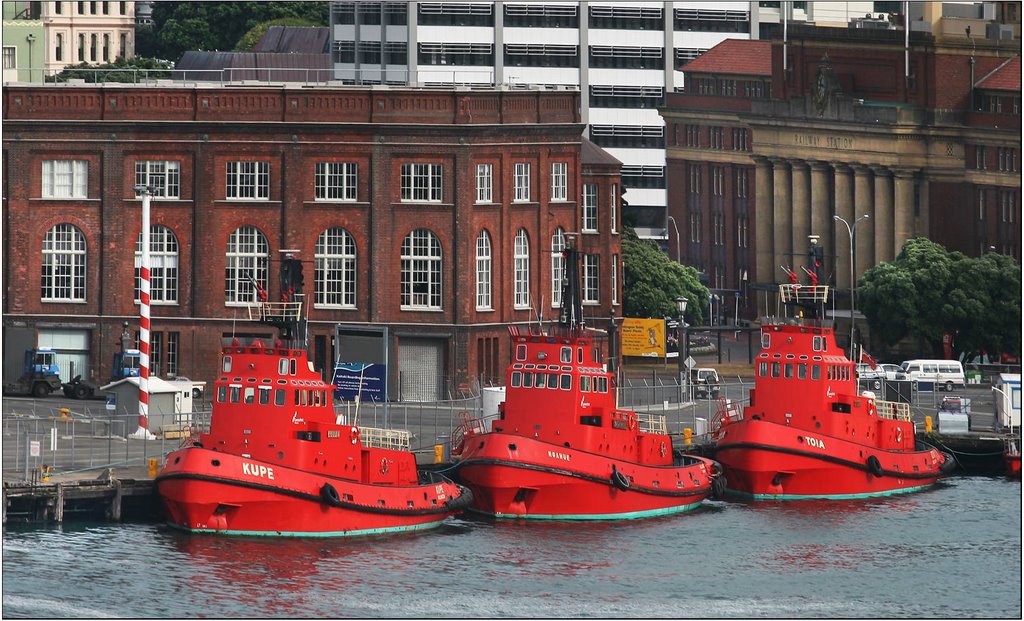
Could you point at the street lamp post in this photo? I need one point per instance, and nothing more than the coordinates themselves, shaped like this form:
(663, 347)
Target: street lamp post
(679, 247)
(683, 345)
(852, 231)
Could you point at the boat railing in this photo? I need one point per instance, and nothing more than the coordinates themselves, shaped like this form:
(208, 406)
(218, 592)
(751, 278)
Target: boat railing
(275, 311)
(651, 423)
(376, 437)
(893, 410)
(797, 293)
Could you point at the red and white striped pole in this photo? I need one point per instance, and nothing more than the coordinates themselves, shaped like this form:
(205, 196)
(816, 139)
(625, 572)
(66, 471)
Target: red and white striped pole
(143, 430)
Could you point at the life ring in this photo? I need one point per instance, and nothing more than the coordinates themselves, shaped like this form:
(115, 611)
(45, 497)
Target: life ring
(384, 465)
(619, 480)
(355, 435)
(330, 495)
(631, 422)
(874, 466)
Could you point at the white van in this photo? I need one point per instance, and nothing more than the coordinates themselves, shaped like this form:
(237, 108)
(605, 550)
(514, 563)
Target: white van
(943, 373)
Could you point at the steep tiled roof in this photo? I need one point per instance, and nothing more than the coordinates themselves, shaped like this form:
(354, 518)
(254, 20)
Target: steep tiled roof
(590, 153)
(295, 39)
(736, 56)
(1005, 77)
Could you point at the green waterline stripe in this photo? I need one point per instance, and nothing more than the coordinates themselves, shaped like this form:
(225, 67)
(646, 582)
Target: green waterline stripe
(891, 492)
(632, 515)
(285, 533)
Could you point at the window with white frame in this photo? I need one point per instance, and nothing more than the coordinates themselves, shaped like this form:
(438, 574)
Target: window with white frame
(615, 279)
(521, 182)
(421, 271)
(335, 181)
(63, 267)
(173, 348)
(334, 269)
(421, 182)
(163, 177)
(981, 204)
(557, 266)
(613, 208)
(483, 271)
(717, 181)
(248, 258)
(521, 273)
(591, 279)
(248, 180)
(589, 224)
(163, 266)
(65, 179)
(10, 57)
(559, 181)
(484, 183)
(742, 231)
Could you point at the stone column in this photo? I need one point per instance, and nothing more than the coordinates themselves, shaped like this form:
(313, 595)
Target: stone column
(763, 214)
(821, 205)
(883, 218)
(782, 210)
(801, 214)
(840, 236)
(864, 205)
(904, 210)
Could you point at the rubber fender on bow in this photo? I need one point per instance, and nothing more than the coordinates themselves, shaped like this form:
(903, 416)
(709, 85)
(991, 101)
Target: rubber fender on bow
(619, 480)
(949, 465)
(330, 495)
(464, 499)
(718, 485)
(874, 466)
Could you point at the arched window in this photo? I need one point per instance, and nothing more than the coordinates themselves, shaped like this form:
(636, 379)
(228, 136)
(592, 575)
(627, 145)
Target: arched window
(421, 271)
(521, 263)
(483, 271)
(63, 270)
(248, 256)
(163, 266)
(557, 267)
(334, 273)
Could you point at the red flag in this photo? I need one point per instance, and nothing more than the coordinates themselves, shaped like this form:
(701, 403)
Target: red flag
(867, 359)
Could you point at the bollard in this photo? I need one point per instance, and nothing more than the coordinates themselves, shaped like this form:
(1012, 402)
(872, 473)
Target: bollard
(438, 453)
(153, 467)
(45, 471)
(927, 424)
(687, 436)
(64, 412)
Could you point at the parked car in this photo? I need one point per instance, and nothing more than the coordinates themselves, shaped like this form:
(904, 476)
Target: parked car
(872, 377)
(893, 371)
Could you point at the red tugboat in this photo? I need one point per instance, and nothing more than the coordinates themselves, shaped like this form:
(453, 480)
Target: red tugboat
(278, 461)
(1012, 457)
(561, 449)
(807, 433)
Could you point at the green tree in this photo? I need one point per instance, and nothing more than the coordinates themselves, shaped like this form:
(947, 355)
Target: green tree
(653, 282)
(180, 26)
(121, 70)
(926, 292)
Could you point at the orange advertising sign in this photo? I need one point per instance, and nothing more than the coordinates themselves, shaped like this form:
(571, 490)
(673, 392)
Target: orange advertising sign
(643, 337)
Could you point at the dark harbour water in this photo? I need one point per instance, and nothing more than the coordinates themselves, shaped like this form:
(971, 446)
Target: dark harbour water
(951, 552)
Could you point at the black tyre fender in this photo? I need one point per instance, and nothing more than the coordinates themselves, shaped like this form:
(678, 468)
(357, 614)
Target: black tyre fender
(330, 495)
(619, 480)
(718, 486)
(874, 466)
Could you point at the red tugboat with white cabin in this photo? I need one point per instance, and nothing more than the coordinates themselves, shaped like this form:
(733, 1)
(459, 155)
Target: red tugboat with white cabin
(278, 460)
(807, 432)
(561, 449)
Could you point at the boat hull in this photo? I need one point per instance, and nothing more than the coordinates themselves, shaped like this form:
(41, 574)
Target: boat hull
(206, 491)
(765, 460)
(544, 481)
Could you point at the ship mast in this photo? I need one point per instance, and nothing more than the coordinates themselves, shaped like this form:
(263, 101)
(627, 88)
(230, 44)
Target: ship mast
(570, 316)
(286, 315)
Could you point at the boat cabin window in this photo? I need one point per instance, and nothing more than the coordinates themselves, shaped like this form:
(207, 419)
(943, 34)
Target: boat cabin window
(815, 372)
(553, 381)
(565, 355)
(517, 379)
(226, 364)
(236, 394)
(766, 340)
(566, 381)
(789, 370)
(600, 384)
(579, 355)
(250, 394)
(841, 407)
(801, 371)
(279, 396)
(264, 395)
(584, 383)
(222, 393)
(521, 352)
(775, 369)
(818, 343)
(527, 380)
(762, 369)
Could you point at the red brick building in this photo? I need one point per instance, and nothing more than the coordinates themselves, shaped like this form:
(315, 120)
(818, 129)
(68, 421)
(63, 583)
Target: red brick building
(922, 133)
(438, 214)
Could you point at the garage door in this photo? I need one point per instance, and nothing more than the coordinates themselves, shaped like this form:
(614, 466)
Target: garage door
(421, 368)
(72, 347)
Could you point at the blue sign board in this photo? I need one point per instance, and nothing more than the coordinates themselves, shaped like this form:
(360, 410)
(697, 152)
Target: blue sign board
(367, 380)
